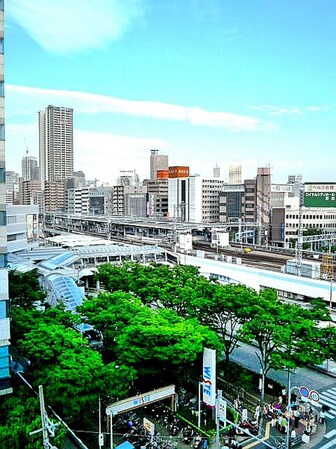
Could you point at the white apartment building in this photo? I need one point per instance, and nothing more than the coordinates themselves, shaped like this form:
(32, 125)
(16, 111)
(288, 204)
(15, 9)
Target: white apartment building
(88, 200)
(22, 228)
(194, 199)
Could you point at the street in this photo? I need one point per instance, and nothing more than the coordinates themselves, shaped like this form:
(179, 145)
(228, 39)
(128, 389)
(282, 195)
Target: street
(324, 384)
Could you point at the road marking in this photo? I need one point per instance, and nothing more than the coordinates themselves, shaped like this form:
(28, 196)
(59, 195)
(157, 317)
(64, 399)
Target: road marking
(330, 396)
(326, 402)
(328, 445)
(330, 434)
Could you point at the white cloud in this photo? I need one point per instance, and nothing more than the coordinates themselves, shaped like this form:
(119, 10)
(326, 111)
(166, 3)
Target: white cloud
(105, 154)
(96, 153)
(87, 103)
(74, 26)
(280, 110)
(277, 110)
(318, 108)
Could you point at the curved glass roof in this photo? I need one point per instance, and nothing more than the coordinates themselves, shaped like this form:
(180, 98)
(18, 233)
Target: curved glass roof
(61, 260)
(64, 288)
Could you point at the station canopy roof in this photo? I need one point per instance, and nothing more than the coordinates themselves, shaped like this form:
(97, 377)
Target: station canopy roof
(64, 288)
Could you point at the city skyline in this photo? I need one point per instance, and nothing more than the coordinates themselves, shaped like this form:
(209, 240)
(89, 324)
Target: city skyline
(206, 83)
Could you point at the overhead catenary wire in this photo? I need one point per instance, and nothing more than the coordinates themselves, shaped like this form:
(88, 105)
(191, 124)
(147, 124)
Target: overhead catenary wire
(55, 414)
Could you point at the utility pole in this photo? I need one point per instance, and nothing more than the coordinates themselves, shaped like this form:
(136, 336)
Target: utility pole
(300, 236)
(48, 427)
(100, 434)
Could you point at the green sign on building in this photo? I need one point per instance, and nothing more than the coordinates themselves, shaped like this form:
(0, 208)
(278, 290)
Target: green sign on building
(320, 195)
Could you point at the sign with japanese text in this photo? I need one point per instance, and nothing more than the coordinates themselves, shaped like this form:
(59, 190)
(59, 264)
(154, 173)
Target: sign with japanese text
(320, 195)
(140, 400)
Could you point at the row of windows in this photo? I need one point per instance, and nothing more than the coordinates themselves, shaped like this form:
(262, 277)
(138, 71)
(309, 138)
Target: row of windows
(307, 225)
(311, 217)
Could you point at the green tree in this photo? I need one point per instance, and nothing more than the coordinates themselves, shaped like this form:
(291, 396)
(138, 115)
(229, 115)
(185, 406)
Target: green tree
(110, 313)
(224, 310)
(159, 340)
(283, 331)
(73, 375)
(24, 289)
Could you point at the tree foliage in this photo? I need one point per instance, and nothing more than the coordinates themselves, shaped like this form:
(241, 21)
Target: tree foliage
(24, 289)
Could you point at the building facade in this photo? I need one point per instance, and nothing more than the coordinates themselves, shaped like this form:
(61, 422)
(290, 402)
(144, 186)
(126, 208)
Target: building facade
(157, 162)
(194, 199)
(88, 200)
(285, 220)
(22, 228)
(55, 153)
(29, 168)
(12, 187)
(235, 174)
(5, 386)
(249, 203)
(157, 197)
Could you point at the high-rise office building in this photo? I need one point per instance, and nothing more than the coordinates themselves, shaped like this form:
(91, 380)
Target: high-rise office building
(157, 162)
(216, 172)
(29, 168)
(235, 174)
(4, 301)
(55, 152)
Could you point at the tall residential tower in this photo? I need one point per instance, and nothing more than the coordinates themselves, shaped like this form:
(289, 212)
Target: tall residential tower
(56, 153)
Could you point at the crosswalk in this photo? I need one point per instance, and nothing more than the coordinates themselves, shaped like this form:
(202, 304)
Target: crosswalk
(328, 397)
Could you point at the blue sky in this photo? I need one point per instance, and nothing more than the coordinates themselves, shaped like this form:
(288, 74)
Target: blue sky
(205, 81)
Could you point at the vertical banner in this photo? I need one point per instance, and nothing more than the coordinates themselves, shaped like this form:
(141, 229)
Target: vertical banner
(209, 377)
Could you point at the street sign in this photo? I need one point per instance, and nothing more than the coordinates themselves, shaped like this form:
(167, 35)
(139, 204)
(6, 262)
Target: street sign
(140, 400)
(314, 396)
(149, 426)
(304, 391)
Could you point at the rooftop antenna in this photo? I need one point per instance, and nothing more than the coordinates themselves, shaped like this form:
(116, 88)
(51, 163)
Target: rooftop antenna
(27, 149)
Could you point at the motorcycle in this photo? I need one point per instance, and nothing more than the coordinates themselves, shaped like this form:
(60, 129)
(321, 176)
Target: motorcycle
(250, 426)
(197, 444)
(187, 435)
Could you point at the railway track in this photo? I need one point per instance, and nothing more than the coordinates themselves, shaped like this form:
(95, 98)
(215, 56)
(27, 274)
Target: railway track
(256, 259)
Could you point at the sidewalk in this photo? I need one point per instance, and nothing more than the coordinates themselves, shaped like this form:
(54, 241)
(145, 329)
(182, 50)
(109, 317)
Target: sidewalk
(273, 435)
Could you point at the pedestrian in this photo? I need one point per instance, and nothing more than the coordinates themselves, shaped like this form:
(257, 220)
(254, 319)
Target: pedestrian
(284, 395)
(322, 417)
(296, 414)
(257, 413)
(279, 422)
(283, 424)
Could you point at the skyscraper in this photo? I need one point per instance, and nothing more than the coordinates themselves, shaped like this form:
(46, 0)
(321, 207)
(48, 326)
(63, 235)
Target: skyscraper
(29, 168)
(55, 152)
(4, 301)
(235, 174)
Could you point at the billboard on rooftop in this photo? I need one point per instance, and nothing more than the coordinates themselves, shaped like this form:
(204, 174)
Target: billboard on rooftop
(321, 194)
